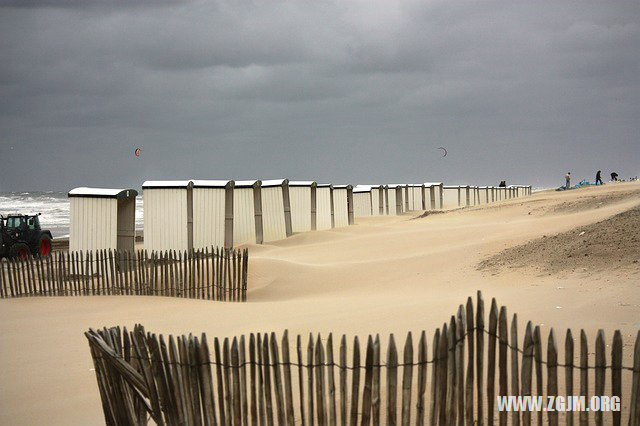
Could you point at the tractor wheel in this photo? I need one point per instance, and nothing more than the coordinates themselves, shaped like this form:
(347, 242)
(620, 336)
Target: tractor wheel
(44, 246)
(20, 251)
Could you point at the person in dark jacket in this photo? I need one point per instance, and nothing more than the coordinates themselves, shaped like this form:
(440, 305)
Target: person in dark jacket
(598, 178)
(614, 176)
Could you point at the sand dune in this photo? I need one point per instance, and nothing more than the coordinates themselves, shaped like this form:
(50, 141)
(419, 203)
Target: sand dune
(386, 274)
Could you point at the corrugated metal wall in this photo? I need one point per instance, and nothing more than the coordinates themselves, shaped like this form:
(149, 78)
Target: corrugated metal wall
(273, 223)
(300, 199)
(208, 217)
(375, 201)
(340, 208)
(429, 192)
(126, 211)
(401, 200)
(416, 199)
(165, 219)
(362, 204)
(450, 197)
(391, 201)
(244, 223)
(439, 195)
(466, 196)
(93, 223)
(323, 208)
(408, 202)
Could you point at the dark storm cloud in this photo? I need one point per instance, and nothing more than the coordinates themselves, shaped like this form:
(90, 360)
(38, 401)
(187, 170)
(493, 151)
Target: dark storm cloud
(336, 91)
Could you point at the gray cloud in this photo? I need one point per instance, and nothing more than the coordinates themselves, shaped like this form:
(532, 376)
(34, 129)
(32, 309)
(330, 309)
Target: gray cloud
(335, 91)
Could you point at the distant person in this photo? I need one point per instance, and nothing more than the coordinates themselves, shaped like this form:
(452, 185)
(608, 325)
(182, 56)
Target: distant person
(503, 184)
(598, 179)
(567, 180)
(614, 176)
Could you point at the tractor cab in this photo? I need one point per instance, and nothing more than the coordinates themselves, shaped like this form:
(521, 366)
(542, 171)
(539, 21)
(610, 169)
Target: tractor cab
(23, 223)
(21, 235)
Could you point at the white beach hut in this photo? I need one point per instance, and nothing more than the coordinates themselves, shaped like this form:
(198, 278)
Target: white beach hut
(433, 195)
(389, 200)
(377, 200)
(416, 193)
(168, 215)
(247, 212)
(451, 196)
(502, 193)
(324, 206)
(484, 195)
(466, 196)
(405, 193)
(212, 213)
(342, 205)
(102, 218)
(399, 196)
(302, 195)
(362, 201)
(276, 210)
(396, 199)
(456, 196)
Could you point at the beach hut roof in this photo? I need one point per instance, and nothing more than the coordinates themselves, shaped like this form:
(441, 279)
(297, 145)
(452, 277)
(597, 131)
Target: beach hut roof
(159, 184)
(325, 185)
(416, 185)
(247, 183)
(212, 183)
(361, 189)
(102, 192)
(274, 182)
(432, 183)
(342, 186)
(302, 183)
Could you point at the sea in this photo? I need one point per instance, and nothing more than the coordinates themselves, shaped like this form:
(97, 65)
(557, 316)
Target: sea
(53, 207)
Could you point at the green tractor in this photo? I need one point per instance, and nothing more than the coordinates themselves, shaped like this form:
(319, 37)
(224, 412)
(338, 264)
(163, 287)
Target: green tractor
(21, 236)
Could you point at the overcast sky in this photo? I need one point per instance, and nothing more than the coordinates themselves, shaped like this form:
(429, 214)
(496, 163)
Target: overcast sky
(340, 91)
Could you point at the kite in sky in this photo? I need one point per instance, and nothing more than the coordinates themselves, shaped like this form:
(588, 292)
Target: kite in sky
(137, 152)
(445, 151)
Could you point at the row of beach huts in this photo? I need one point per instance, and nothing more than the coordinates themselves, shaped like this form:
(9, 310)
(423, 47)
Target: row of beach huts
(192, 214)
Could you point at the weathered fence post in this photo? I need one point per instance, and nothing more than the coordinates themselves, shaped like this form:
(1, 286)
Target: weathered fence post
(601, 362)
(568, 372)
(552, 375)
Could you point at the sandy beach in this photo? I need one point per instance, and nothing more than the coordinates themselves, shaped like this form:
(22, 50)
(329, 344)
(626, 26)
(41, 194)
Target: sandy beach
(560, 259)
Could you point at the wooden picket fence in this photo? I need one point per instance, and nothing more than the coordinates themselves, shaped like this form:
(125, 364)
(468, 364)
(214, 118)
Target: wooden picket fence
(142, 376)
(215, 274)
